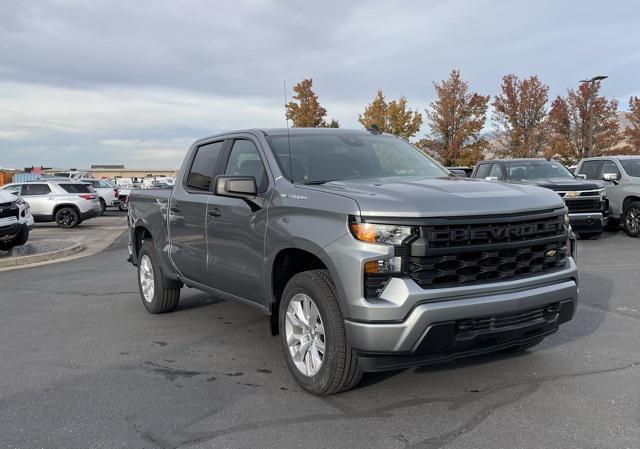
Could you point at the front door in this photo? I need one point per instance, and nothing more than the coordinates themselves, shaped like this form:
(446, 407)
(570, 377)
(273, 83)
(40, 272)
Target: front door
(236, 229)
(40, 198)
(188, 213)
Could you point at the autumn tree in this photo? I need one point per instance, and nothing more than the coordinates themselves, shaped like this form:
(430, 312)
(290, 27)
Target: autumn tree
(569, 124)
(456, 120)
(632, 132)
(305, 111)
(520, 113)
(392, 117)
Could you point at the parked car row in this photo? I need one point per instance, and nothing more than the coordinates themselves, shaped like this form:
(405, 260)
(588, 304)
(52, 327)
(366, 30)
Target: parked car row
(67, 202)
(599, 192)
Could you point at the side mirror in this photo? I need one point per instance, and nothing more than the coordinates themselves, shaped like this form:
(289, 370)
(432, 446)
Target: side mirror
(581, 176)
(610, 177)
(458, 173)
(491, 178)
(243, 187)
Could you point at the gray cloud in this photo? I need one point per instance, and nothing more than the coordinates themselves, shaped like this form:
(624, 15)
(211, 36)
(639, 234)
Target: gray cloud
(196, 67)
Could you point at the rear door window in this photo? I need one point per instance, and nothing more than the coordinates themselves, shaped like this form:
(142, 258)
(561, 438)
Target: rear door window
(204, 166)
(77, 188)
(35, 189)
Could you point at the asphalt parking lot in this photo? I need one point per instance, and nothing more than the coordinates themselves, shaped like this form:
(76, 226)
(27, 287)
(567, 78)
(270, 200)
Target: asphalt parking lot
(83, 365)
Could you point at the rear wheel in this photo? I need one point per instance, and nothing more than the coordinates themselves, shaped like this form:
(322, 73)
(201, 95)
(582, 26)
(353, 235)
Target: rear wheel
(632, 219)
(67, 217)
(103, 206)
(159, 295)
(313, 337)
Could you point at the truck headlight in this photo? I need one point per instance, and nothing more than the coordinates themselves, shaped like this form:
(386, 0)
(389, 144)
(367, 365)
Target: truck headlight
(379, 233)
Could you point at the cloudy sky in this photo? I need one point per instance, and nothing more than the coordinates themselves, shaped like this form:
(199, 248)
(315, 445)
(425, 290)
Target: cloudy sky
(134, 82)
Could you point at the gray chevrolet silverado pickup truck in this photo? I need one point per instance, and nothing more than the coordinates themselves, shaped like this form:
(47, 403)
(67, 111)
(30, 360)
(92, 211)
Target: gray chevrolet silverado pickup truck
(366, 254)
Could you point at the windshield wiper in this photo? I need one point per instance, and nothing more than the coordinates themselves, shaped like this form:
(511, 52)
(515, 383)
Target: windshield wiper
(317, 182)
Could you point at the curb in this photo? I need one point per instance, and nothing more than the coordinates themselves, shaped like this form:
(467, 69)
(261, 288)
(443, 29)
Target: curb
(34, 258)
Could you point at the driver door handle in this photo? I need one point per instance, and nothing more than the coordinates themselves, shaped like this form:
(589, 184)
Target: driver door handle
(215, 212)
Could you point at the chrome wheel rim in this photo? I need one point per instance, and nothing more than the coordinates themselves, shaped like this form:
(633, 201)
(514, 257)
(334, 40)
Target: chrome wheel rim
(305, 334)
(633, 220)
(146, 278)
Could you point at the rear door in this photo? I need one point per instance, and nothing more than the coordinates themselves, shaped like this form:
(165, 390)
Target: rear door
(40, 198)
(237, 228)
(188, 212)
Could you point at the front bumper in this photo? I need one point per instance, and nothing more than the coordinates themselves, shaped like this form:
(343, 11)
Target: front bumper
(436, 328)
(406, 336)
(588, 221)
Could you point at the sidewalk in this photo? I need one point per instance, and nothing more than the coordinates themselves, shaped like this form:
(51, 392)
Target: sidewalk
(91, 237)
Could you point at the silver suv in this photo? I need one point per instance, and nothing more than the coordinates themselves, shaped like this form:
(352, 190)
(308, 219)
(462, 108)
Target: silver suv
(622, 176)
(68, 203)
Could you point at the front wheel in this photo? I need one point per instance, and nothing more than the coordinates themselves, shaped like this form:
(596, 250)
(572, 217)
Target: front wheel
(313, 337)
(157, 293)
(122, 205)
(632, 219)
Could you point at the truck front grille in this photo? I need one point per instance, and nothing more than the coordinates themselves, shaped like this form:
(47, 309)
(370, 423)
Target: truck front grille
(473, 250)
(488, 249)
(8, 210)
(583, 205)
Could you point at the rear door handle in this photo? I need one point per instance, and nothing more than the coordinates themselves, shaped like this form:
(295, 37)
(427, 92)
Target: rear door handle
(215, 212)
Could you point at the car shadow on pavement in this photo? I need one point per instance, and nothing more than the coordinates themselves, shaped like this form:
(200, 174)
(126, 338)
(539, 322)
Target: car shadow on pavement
(197, 300)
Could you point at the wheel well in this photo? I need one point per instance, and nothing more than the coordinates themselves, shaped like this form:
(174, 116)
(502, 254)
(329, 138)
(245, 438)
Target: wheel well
(139, 236)
(73, 206)
(628, 200)
(287, 264)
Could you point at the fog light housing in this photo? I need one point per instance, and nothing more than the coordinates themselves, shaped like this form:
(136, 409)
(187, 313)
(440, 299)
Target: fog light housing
(393, 265)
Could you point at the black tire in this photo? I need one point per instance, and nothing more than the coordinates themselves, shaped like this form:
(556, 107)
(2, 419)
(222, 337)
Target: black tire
(103, 206)
(122, 205)
(590, 235)
(339, 370)
(521, 348)
(67, 217)
(631, 219)
(166, 293)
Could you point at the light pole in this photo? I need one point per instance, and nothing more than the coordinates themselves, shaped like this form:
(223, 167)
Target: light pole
(592, 92)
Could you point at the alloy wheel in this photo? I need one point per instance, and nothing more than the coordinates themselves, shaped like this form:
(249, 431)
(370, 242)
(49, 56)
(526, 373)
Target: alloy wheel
(146, 278)
(633, 220)
(305, 334)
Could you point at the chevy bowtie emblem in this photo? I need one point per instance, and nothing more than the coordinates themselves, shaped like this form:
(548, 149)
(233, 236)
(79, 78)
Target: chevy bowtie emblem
(571, 195)
(550, 253)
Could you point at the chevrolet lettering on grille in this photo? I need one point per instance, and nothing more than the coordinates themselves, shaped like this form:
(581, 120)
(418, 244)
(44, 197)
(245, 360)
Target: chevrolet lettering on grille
(493, 232)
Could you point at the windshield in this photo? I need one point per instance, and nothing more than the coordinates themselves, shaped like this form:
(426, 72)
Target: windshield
(321, 158)
(631, 166)
(537, 170)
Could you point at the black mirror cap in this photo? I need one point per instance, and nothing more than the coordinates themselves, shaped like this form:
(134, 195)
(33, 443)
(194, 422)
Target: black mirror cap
(236, 186)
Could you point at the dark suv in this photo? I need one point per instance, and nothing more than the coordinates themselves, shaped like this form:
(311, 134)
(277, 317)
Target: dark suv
(586, 200)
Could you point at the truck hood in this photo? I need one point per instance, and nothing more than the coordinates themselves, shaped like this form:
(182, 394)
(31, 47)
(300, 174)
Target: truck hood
(6, 197)
(441, 197)
(563, 184)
